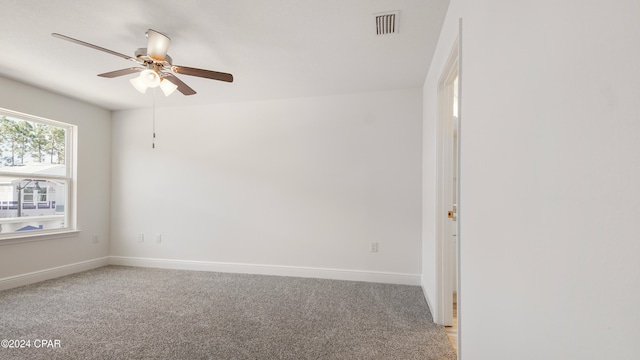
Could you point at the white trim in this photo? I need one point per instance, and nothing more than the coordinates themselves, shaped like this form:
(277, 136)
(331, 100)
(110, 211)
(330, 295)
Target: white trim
(52, 273)
(278, 270)
(70, 162)
(38, 236)
(426, 297)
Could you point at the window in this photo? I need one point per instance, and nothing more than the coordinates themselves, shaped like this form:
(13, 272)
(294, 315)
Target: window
(35, 175)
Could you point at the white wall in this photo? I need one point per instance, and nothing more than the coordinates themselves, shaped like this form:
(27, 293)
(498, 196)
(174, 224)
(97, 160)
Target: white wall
(306, 182)
(94, 146)
(549, 181)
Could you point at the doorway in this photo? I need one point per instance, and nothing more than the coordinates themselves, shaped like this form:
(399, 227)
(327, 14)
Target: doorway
(448, 199)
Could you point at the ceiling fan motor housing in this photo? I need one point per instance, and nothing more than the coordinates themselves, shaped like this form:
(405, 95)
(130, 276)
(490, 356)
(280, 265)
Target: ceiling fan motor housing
(142, 54)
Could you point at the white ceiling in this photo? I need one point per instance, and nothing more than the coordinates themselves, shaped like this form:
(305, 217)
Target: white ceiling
(274, 48)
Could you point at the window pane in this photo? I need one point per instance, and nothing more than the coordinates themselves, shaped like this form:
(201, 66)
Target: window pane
(18, 210)
(34, 180)
(29, 143)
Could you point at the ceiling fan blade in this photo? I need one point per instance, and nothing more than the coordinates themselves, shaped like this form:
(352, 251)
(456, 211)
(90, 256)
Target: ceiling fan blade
(117, 73)
(203, 73)
(182, 87)
(80, 42)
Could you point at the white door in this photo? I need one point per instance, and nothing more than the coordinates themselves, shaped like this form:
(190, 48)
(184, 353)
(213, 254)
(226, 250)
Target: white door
(450, 199)
(447, 183)
(454, 191)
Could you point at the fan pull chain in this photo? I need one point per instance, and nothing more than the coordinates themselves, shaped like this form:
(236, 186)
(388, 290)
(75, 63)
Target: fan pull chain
(153, 140)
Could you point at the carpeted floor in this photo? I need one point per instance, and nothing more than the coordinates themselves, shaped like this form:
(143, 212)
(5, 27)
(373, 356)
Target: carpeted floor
(120, 312)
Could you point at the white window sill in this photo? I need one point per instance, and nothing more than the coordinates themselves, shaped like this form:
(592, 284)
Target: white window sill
(38, 236)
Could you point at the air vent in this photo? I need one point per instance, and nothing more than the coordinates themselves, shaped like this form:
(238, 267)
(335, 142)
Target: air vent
(387, 22)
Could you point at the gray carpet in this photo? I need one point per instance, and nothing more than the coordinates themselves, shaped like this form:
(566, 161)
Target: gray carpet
(119, 312)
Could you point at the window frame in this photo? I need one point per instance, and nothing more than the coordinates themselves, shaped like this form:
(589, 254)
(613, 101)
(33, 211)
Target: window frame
(70, 177)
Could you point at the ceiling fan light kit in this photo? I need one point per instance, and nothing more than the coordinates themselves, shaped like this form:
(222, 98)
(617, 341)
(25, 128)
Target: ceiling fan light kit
(150, 79)
(156, 66)
(139, 84)
(167, 87)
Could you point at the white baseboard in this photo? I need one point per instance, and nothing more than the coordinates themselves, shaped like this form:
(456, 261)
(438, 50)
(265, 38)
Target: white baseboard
(52, 273)
(278, 270)
(296, 271)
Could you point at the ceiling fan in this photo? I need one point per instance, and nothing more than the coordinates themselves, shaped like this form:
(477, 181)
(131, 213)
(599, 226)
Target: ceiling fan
(154, 65)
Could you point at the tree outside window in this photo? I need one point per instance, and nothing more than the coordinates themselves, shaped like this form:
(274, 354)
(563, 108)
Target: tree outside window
(35, 176)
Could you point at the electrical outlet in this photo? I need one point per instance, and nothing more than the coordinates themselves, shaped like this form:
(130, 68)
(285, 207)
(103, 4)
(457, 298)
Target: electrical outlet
(373, 247)
(140, 238)
(95, 238)
(158, 238)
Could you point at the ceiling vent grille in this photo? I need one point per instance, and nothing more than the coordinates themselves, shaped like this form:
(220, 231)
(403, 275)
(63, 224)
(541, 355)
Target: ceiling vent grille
(387, 22)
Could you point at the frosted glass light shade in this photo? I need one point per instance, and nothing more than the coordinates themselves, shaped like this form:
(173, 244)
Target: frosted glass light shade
(150, 78)
(167, 87)
(157, 45)
(139, 84)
